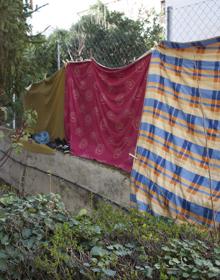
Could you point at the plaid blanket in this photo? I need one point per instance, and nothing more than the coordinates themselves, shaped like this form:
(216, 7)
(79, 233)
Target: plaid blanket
(177, 170)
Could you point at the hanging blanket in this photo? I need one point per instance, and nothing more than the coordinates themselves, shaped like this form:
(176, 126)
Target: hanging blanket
(102, 110)
(177, 170)
(47, 98)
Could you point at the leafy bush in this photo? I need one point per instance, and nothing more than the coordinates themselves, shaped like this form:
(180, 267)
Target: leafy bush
(41, 240)
(195, 260)
(111, 243)
(25, 224)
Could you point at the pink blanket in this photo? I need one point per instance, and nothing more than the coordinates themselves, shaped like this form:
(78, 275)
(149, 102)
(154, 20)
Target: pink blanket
(103, 107)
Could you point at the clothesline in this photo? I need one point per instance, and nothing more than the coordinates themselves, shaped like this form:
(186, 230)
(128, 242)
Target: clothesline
(66, 62)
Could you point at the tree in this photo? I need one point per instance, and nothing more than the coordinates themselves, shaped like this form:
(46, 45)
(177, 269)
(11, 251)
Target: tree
(15, 41)
(46, 53)
(13, 36)
(111, 37)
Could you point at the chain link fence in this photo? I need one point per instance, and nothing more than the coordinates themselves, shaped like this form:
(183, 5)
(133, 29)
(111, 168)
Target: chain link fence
(196, 21)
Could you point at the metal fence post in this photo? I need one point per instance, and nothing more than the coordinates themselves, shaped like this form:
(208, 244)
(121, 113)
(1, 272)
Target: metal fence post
(169, 10)
(58, 54)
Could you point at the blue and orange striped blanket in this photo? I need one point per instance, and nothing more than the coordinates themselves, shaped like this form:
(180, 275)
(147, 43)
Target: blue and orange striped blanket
(177, 170)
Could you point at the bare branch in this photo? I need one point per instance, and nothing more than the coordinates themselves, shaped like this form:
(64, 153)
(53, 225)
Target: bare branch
(40, 33)
(37, 8)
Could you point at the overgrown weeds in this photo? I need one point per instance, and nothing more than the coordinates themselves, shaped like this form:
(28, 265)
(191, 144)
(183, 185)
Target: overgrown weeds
(41, 240)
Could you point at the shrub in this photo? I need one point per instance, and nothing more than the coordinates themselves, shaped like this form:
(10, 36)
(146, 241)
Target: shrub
(41, 240)
(25, 224)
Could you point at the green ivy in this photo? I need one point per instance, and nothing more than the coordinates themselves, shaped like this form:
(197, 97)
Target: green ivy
(187, 259)
(25, 224)
(39, 239)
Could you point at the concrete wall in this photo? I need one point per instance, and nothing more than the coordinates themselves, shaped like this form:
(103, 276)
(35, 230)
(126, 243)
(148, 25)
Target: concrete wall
(77, 180)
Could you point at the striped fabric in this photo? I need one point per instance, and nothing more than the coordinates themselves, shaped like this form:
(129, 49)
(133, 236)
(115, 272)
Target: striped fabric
(178, 149)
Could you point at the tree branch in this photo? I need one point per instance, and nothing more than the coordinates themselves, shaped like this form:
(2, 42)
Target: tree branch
(40, 33)
(37, 9)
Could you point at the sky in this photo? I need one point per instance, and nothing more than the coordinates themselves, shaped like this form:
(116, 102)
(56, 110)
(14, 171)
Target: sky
(63, 13)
